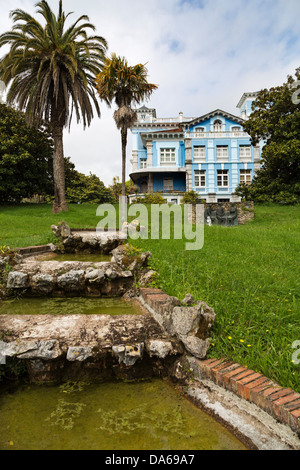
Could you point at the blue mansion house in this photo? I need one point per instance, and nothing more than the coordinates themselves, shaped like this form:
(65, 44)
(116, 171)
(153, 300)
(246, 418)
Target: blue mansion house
(210, 154)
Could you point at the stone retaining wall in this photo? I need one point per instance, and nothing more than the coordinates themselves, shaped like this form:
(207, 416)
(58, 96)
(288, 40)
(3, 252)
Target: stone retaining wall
(94, 347)
(283, 404)
(33, 277)
(245, 210)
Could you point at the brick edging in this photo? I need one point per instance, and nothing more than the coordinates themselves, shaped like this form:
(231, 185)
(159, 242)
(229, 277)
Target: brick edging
(281, 403)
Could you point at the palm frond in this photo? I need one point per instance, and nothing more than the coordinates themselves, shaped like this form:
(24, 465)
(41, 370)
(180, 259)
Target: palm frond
(51, 68)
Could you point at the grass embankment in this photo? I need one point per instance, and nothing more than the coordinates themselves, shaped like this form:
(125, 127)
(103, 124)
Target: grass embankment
(248, 274)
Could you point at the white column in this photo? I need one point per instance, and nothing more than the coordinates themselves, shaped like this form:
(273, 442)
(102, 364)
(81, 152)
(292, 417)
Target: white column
(188, 165)
(134, 160)
(149, 154)
(256, 158)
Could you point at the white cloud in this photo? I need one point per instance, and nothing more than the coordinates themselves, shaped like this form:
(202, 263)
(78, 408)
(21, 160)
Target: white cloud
(203, 54)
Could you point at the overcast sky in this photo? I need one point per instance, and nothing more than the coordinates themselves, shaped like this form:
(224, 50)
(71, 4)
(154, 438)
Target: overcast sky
(203, 54)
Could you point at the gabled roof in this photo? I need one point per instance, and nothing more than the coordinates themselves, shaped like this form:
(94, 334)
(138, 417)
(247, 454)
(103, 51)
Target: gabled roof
(251, 94)
(143, 108)
(217, 112)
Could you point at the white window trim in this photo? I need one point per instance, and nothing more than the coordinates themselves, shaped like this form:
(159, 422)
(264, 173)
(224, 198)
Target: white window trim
(202, 157)
(223, 174)
(243, 176)
(163, 152)
(245, 152)
(200, 176)
(222, 153)
(143, 163)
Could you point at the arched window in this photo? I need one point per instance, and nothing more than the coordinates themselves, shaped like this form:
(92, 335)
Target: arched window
(217, 125)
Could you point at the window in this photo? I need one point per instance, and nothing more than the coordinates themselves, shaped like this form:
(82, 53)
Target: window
(167, 156)
(200, 180)
(222, 152)
(143, 163)
(168, 184)
(245, 152)
(245, 176)
(218, 125)
(222, 178)
(236, 130)
(199, 153)
(199, 130)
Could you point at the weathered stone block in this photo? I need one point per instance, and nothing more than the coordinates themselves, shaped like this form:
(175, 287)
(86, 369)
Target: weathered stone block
(95, 275)
(17, 280)
(128, 354)
(80, 354)
(196, 346)
(185, 320)
(42, 283)
(159, 348)
(32, 349)
(73, 280)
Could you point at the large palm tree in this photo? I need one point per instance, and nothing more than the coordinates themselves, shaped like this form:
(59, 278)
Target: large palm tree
(51, 71)
(125, 85)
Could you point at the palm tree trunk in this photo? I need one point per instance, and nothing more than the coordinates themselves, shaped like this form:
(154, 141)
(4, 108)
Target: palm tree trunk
(59, 203)
(122, 200)
(124, 145)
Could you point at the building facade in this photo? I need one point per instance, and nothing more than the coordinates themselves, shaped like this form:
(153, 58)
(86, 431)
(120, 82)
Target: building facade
(210, 154)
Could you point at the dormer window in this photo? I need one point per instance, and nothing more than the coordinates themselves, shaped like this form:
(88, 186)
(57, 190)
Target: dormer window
(199, 131)
(236, 130)
(217, 125)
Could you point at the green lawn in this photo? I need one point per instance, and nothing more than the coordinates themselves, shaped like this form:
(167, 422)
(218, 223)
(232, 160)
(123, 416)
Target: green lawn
(248, 274)
(30, 224)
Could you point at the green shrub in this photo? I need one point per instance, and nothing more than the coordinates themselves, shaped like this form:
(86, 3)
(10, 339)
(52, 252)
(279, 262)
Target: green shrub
(190, 197)
(151, 198)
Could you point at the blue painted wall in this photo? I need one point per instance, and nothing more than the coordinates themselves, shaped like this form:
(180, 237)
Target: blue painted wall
(178, 181)
(211, 165)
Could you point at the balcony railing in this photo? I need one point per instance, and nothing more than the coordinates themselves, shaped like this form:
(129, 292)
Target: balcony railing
(211, 134)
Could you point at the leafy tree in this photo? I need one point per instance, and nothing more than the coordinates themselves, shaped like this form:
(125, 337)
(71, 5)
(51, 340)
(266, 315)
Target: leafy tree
(276, 120)
(81, 188)
(116, 187)
(51, 71)
(126, 85)
(25, 157)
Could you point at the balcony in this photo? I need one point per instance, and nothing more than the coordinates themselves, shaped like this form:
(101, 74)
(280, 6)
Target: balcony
(214, 135)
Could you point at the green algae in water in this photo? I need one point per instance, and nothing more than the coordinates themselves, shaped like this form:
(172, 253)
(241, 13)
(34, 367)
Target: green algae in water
(68, 306)
(149, 415)
(85, 257)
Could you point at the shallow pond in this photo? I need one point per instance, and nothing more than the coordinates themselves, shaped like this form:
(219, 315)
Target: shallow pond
(69, 306)
(149, 415)
(94, 257)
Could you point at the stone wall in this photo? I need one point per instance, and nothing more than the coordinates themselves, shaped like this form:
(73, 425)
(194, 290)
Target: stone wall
(188, 320)
(245, 210)
(95, 347)
(33, 277)
(85, 240)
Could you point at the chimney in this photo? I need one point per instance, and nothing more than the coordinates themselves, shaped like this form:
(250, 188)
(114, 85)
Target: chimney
(180, 116)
